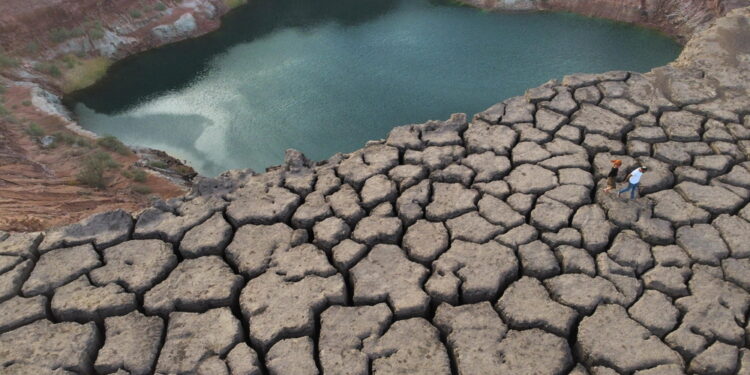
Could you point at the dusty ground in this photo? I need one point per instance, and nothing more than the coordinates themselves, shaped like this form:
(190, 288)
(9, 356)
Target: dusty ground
(38, 187)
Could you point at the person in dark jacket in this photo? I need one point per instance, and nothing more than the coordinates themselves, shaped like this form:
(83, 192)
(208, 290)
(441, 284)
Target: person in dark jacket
(612, 176)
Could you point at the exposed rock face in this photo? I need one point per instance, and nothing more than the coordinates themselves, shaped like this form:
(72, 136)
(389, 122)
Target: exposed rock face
(680, 18)
(498, 225)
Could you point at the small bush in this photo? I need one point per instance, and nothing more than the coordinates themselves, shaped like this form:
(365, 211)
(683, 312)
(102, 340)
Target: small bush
(62, 34)
(141, 189)
(111, 143)
(69, 61)
(55, 71)
(26, 103)
(6, 61)
(92, 173)
(32, 48)
(158, 164)
(139, 175)
(159, 7)
(136, 13)
(35, 130)
(106, 160)
(96, 30)
(48, 68)
(72, 139)
(3, 110)
(75, 152)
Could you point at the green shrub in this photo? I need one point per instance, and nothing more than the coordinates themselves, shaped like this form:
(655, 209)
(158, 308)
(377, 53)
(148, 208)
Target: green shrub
(3, 110)
(26, 103)
(96, 30)
(111, 143)
(69, 61)
(139, 175)
(136, 13)
(6, 61)
(160, 7)
(49, 68)
(142, 189)
(158, 164)
(72, 139)
(184, 170)
(106, 160)
(35, 130)
(62, 34)
(32, 48)
(92, 173)
(55, 71)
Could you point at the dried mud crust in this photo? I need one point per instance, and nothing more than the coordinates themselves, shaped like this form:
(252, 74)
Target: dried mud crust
(481, 246)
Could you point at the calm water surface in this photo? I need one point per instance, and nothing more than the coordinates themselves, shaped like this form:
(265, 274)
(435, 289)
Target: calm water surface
(326, 76)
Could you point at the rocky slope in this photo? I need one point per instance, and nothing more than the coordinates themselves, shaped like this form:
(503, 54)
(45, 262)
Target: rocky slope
(679, 18)
(77, 42)
(51, 47)
(467, 246)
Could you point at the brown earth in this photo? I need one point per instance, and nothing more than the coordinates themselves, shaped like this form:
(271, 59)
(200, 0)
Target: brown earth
(38, 186)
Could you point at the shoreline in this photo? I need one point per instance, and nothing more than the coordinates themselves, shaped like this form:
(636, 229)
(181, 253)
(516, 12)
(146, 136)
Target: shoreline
(51, 88)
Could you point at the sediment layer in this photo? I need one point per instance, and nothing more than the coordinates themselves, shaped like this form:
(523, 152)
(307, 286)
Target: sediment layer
(470, 246)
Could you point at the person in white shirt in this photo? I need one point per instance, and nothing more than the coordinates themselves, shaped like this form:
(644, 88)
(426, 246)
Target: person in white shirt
(634, 178)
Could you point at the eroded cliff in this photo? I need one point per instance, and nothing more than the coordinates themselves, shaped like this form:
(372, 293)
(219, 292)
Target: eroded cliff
(679, 18)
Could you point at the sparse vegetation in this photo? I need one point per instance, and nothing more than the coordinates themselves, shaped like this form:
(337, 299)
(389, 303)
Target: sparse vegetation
(137, 175)
(92, 173)
(26, 103)
(70, 61)
(95, 30)
(32, 48)
(3, 110)
(135, 13)
(158, 164)
(231, 4)
(159, 7)
(6, 61)
(35, 130)
(62, 34)
(106, 160)
(183, 170)
(48, 67)
(141, 189)
(84, 73)
(72, 139)
(111, 143)
(94, 166)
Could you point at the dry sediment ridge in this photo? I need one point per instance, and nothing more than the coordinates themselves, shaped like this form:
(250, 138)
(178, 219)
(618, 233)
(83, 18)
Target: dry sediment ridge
(471, 247)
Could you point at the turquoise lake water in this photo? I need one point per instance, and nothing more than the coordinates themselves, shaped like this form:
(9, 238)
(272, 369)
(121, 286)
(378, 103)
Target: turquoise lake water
(326, 76)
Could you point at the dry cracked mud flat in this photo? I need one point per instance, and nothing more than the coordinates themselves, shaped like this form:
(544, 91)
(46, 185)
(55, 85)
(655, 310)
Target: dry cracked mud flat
(482, 246)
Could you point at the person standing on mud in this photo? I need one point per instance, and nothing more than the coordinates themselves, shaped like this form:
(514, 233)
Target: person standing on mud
(612, 176)
(634, 178)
